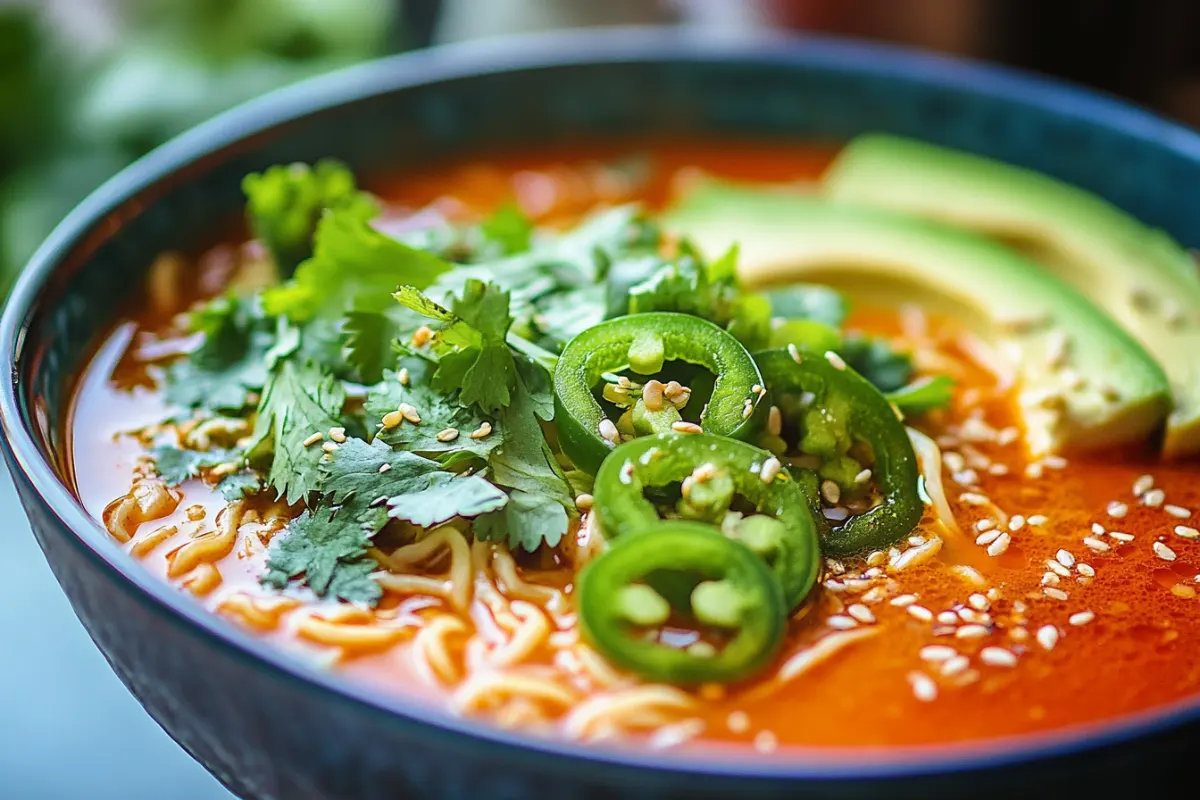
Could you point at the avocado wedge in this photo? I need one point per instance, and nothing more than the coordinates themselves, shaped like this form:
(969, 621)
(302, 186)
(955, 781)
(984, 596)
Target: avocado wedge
(1085, 384)
(1140, 276)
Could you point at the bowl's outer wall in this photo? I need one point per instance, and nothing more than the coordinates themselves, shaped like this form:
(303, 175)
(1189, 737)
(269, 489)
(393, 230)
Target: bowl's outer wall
(268, 734)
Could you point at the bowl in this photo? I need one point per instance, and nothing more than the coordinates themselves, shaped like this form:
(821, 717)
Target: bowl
(271, 726)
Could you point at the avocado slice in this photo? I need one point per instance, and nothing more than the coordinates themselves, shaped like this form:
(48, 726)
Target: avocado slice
(1085, 384)
(1140, 276)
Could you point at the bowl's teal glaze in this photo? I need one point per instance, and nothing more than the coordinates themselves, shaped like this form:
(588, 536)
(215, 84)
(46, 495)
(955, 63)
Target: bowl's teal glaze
(272, 727)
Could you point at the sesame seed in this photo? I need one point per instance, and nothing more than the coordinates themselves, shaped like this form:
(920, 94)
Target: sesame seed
(937, 652)
(686, 427)
(836, 360)
(1037, 519)
(329, 447)
(841, 622)
(1117, 510)
(608, 431)
(1016, 523)
(1050, 579)
(313, 439)
(831, 492)
(1143, 484)
(947, 618)
(1183, 590)
(738, 721)
(1098, 529)
(1081, 618)
(1007, 436)
(955, 665)
(765, 742)
(747, 408)
(384, 467)
(1121, 536)
(1086, 570)
(1187, 532)
(392, 419)
(410, 413)
(985, 525)
(920, 612)
(979, 602)
(1065, 558)
(1154, 498)
(447, 435)
(1047, 637)
(997, 657)
(1163, 552)
(1095, 544)
(1179, 512)
(997, 469)
(1056, 594)
(484, 429)
(584, 501)
(794, 353)
(903, 600)
(756, 388)
(402, 376)
(974, 499)
(923, 687)
(774, 421)
(770, 469)
(1055, 462)
(1058, 568)
(421, 336)
(863, 476)
(972, 631)
(1033, 471)
(999, 546)
(861, 613)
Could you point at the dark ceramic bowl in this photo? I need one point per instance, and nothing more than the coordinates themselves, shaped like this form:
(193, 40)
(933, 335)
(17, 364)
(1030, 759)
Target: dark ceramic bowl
(270, 726)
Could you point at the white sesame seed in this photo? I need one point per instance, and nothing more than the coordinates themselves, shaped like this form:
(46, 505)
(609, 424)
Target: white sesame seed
(794, 353)
(972, 631)
(1154, 498)
(841, 622)
(765, 742)
(1097, 529)
(775, 421)
(313, 439)
(337, 434)
(686, 427)
(831, 492)
(391, 420)
(1055, 462)
(861, 613)
(409, 412)
(920, 612)
(979, 602)
(876, 558)
(916, 541)
(738, 721)
(997, 469)
(955, 665)
(1056, 594)
(1117, 510)
(923, 687)
(1016, 522)
(863, 476)
(1037, 519)
(947, 618)
(1179, 512)
(1050, 579)
(608, 431)
(997, 657)
(448, 435)
(1143, 484)
(1081, 618)
(1096, 544)
(1187, 532)
(937, 652)
(1047, 637)
(329, 447)
(985, 525)
(1007, 436)
(1034, 471)
(836, 360)
(770, 470)
(999, 546)
(1163, 552)
(974, 499)
(584, 501)
(402, 376)
(1087, 570)
(993, 594)
(903, 600)
(1058, 568)
(1120, 536)
(484, 429)
(384, 467)
(1065, 558)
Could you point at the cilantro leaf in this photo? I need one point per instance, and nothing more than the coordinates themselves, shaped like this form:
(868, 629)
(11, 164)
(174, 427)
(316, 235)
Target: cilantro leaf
(175, 465)
(284, 203)
(874, 359)
(229, 364)
(510, 229)
(419, 490)
(474, 356)
(239, 485)
(328, 553)
(369, 338)
(353, 265)
(297, 401)
(439, 412)
(540, 497)
(923, 394)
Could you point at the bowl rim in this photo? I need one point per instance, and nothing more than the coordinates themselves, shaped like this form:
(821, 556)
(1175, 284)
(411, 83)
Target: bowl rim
(514, 53)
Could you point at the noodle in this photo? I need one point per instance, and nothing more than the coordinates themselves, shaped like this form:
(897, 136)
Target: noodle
(349, 637)
(530, 635)
(930, 456)
(433, 649)
(202, 580)
(211, 546)
(261, 613)
(457, 586)
(641, 706)
(484, 689)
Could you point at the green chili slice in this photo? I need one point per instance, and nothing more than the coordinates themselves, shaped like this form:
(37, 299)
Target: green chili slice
(643, 342)
(732, 596)
(781, 528)
(840, 403)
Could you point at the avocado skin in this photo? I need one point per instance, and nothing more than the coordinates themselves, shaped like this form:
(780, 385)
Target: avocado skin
(883, 256)
(1140, 276)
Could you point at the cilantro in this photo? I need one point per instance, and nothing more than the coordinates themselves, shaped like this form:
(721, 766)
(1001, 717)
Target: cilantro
(808, 301)
(369, 338)
(540, 496)
(353, 266)
(474, 356)
(239, 485)
(297, 402)
(229, 364)
(175, 465)
(874, 359)
(330, 555)
(509, 229)
(923, 394)
(439, 412)
(284, 203)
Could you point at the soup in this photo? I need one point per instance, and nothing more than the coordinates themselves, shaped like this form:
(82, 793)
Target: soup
(516, 438)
